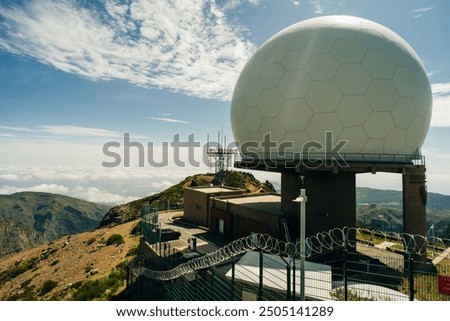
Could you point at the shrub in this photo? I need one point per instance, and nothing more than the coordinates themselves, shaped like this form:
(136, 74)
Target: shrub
(115, 239)
(48, 286)
(54, 262)
(17, 269)
(101, 289)
(132, 252)
(90, 241)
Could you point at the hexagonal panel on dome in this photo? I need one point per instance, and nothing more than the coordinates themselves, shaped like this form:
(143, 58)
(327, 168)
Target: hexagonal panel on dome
(276, 53)
(252, 93)
(323, 96)
(353, 110)
(241, 86)
(270, 102)
(371, 39)
(322, 67)
(296, 59)
(423, 100)
(339, 31)
(240, 131)
(295, 84)
(254, 137)
(272, 76)
(404, 112)
(395, 141)
(298, 42)
(373, 145)
(320, 42)
(253, 118)
(400, 54)
(297, 138)
(352, 79)
(420, 74)
(382, 95)
(348, 50)
(238, 110)
(322, 123)
(405, 82)
(379, 64)
(379, 125)
(415, 133)
(273, 126)
(295, 114)
(356, 139)
(260, 63)
(251, 72)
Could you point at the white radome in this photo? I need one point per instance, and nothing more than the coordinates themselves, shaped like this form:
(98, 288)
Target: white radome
(343, 74)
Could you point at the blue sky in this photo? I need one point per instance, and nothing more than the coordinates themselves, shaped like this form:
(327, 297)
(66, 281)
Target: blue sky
(75, 76)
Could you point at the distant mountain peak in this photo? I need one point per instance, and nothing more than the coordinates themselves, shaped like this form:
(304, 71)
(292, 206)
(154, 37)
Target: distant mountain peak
(31, 218)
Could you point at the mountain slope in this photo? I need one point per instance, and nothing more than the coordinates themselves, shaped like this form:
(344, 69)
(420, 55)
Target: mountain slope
(31, 218)
(76, 267)
(366, 195)
(173, 196)
(386, 206)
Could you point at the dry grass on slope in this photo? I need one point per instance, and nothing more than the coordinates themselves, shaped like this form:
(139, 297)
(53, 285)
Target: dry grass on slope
(77, 267)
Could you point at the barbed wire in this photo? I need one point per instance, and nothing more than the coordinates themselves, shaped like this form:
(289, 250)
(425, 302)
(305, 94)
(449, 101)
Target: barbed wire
(321, 242)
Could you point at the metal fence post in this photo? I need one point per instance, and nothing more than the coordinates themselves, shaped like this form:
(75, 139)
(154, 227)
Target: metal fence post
(288, 282)
(261, 276)
(233, 275)
(344, 269)
(411, 276)
(293, 280)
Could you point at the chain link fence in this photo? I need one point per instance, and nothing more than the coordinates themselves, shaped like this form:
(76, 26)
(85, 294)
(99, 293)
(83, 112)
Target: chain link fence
(342, 264)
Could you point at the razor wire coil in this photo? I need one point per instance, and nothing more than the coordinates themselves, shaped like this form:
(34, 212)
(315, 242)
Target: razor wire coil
(324, 241)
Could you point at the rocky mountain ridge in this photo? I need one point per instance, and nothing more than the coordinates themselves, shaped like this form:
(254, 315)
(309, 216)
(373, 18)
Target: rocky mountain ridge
(31, 218)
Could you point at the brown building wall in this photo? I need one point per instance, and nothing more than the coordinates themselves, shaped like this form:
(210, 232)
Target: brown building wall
(196, 207)
(197, 203)
(220, 214)
(240, 220)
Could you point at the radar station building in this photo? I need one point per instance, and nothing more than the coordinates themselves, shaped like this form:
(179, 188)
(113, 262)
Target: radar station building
(232, 213)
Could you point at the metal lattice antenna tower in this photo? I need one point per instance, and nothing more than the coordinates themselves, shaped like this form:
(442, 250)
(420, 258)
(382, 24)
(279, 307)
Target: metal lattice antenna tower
(221, 155)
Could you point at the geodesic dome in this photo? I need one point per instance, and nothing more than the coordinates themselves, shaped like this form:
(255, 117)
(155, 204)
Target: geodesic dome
(345, 75)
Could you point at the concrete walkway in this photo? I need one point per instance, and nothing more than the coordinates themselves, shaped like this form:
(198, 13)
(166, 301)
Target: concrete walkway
(384, 245)
(441, 256)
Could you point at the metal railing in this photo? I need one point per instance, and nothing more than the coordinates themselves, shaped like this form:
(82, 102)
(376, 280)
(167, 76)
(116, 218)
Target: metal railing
(338, 158)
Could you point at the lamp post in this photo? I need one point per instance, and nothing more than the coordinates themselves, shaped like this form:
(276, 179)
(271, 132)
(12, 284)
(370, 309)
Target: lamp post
(302, 199)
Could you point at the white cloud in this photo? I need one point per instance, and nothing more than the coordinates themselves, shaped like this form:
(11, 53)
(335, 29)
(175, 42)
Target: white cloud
(183, 46)
(318, 7)
(90, 194)
(417, 13)
(45, 188)
(441, 105)
(169, 120)
(16, 129)
(233, 4)
(69, 130)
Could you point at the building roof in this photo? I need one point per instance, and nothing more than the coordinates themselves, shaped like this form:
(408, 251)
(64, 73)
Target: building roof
(318, 277)
(270, 203)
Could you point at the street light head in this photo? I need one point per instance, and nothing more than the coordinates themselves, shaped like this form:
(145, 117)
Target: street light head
(299, 199)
